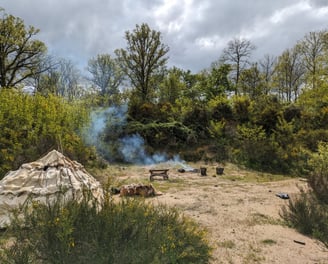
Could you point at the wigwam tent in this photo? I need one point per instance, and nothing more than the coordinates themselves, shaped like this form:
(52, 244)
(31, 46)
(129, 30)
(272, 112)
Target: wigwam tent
(44, 179)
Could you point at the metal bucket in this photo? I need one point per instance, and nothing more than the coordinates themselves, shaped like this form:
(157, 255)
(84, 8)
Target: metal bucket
(203, 171)
(219, 170)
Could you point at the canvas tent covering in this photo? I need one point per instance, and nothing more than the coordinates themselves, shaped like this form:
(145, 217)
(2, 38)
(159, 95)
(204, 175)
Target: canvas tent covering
(44, 179)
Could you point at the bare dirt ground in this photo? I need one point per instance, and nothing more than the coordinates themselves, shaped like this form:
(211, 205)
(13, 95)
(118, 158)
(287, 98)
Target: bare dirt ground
(239, 209)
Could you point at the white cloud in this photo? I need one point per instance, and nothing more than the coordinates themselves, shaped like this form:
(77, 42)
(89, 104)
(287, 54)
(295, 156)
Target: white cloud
(283, 14)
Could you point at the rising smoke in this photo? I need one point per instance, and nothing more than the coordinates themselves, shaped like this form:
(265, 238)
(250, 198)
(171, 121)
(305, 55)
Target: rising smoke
(109, 119)
(133, 150)
(106, 133)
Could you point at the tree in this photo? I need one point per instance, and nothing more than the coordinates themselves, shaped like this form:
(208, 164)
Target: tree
(267, 67)
(190, 80)
(289, 72)
(251, 81)
(172, 86)
(143, 58)
(62, 79)
(47, 64)
(68, 83)
(312, 50)
(106, 74)
(218, 81)
(49, 82)
(237, 54)
(20, 54)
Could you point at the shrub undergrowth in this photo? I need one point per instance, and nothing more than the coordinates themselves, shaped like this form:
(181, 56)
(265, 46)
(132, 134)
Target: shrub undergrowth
(129, 231)
(308, 213)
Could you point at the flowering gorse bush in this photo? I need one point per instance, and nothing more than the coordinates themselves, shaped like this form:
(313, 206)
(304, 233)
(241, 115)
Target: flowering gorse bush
(128, 231)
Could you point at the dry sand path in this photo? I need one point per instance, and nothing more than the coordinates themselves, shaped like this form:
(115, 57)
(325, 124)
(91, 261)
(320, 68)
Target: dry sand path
(242, 217)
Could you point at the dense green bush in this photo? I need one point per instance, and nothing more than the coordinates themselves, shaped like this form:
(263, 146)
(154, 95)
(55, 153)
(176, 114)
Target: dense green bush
(266, 112)
(220, 108)
(253, 148)
(197, 119)
(242, 107)
(129, 231)
(162, 135)
(318, 178)
(314, 105)
(307, 216)
(309, 212)
(33, 125)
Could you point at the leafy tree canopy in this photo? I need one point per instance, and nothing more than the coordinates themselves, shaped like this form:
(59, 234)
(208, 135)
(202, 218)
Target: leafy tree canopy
(143, 58)
(105, 74)
(20, 54)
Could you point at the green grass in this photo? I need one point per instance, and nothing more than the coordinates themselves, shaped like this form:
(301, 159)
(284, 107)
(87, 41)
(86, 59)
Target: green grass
(119, 175)
(253, 255)
(235, 173)
(262, 219)
(164, 186)
(227, 244)
(269, 242)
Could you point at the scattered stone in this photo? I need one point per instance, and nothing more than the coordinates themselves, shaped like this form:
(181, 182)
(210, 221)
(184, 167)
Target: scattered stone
(283, 195)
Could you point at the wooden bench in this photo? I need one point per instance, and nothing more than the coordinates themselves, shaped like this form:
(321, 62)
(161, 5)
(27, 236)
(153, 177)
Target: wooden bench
(161, 173)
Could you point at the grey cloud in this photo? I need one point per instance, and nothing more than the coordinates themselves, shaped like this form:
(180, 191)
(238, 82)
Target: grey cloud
(319, 3)
(195, 31)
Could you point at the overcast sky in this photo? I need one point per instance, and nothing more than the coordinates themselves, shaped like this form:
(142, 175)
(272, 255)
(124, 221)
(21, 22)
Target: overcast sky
(195, 30)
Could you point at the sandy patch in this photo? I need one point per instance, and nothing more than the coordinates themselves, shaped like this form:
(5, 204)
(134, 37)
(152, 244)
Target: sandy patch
(242, 217)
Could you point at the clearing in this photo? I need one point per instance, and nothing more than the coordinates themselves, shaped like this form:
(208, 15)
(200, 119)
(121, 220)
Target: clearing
(239, 209)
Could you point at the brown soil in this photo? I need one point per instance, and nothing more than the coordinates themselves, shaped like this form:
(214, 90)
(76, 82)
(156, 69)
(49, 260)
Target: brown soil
(239, 209)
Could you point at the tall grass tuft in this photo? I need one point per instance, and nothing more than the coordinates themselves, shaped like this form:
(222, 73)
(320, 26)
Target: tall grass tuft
(129, 231)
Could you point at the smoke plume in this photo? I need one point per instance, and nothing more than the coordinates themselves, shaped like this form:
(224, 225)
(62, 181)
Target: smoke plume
(105, 133)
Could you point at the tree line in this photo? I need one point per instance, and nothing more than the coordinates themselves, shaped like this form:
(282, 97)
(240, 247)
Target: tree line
(142, 67)
(268, 115)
